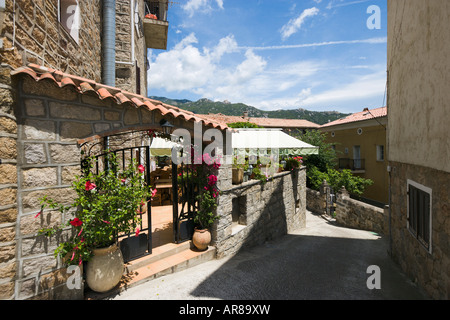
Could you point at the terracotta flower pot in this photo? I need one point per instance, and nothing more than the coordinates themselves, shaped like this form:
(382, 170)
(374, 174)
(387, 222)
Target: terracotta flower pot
(105, 268)
(201, 239)
(237, 175)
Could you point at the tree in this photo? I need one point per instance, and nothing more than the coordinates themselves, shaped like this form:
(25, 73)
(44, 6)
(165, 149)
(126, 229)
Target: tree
(326, 158)
(243, 125)
(320, 167)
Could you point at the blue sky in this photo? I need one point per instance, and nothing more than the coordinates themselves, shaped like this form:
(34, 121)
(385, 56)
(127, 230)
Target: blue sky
(318, 55)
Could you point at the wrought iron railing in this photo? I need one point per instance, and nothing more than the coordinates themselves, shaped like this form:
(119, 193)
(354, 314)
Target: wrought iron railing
(352, 164)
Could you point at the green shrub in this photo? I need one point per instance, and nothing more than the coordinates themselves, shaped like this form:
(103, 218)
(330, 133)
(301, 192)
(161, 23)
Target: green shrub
(337, 179)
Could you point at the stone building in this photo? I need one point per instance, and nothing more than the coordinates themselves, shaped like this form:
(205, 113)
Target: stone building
(65, 79)
(104, 41)
(418, 140)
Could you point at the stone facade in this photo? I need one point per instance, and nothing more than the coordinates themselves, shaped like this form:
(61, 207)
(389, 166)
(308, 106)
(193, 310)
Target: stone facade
(8, 184)
(252, 213)
(131, 49)
(430, 269)
(41, 123)
(41, 156)
(35, 35)
(31, 33)
(418, 110)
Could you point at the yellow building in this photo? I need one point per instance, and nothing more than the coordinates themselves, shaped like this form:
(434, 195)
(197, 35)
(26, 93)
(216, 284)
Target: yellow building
(360, 142)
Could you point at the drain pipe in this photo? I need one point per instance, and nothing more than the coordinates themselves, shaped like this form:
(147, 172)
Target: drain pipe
(109, 43)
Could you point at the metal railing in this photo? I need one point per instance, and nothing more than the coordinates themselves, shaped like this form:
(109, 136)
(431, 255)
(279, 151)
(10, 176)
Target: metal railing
(352, 164)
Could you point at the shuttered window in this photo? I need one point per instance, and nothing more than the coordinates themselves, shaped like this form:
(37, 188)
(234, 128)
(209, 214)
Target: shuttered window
(419, 213)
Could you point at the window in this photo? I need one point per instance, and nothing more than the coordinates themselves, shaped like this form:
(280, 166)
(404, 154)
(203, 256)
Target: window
(69, 17)
(357, 157)
(419, 212)
(380, 153)
(238, 215)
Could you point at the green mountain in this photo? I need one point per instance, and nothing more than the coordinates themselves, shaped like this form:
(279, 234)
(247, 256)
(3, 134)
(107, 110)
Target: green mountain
(205, 106)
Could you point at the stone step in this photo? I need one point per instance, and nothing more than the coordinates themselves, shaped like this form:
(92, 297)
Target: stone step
(179, 258)
(158, 253)
(171, 264)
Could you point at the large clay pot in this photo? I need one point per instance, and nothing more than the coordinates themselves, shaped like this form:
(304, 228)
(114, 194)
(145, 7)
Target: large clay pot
(104, 270)
(201, 239)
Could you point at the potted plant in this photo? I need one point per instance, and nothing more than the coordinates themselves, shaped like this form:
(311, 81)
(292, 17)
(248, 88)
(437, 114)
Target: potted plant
(237, 170)
(293, 163)
(106, 206)
(205, 216)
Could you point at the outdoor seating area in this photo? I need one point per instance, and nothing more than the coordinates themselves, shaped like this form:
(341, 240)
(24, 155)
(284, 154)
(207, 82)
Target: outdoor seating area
(161, 179)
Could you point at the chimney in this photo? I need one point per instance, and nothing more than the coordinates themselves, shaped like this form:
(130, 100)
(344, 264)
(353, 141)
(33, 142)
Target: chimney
(245, 114)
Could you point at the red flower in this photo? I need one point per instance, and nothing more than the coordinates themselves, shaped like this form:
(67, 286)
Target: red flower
(154, 192)
(76, 222)
(89, 185)
(141, 168)
(137, 231)
(38, 214)
(212, 179)
(106, 222)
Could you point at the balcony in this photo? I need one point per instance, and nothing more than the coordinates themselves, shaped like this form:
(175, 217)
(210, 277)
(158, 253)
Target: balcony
(155, 24)
(355, 165)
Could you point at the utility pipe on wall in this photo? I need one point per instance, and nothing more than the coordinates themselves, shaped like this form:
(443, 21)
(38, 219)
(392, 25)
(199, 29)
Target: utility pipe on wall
(109, 43)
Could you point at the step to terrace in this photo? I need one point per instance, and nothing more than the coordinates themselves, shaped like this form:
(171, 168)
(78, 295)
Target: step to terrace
(166, 259)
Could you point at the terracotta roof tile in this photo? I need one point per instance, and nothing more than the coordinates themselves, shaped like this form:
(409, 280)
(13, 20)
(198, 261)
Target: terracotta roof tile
(85, 86)
(263, 122)
(366, 114)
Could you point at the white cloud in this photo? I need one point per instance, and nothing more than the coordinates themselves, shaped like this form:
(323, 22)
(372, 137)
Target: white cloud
(195, 6)
(185, 67)
(362, 88)
(332, 4)
(378, 40)
(224, 72)
(182, 68)
(295, 24)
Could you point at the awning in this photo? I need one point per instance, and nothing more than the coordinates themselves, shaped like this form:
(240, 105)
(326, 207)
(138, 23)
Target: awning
(161, 147)
(271, 139)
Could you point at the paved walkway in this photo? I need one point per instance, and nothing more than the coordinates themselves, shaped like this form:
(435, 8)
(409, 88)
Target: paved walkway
(321, 261)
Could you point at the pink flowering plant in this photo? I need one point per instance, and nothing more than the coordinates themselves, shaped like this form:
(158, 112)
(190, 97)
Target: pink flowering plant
(203, 173)
(107, 204)
(209, 191)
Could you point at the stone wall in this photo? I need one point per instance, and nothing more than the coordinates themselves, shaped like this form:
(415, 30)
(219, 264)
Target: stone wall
(131, 50)
(252, 213)
(349, 212)
(35, 35)
(355, 214)
(31, 33)
(41, 156)
(430, 269)
(315, 201)
(8, 185)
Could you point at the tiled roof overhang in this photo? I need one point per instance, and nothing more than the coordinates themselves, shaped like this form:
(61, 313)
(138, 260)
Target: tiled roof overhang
(359, 116)
(86, 86)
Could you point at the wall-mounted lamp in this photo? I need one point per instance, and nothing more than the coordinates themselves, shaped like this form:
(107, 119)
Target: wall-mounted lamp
(166, 126)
